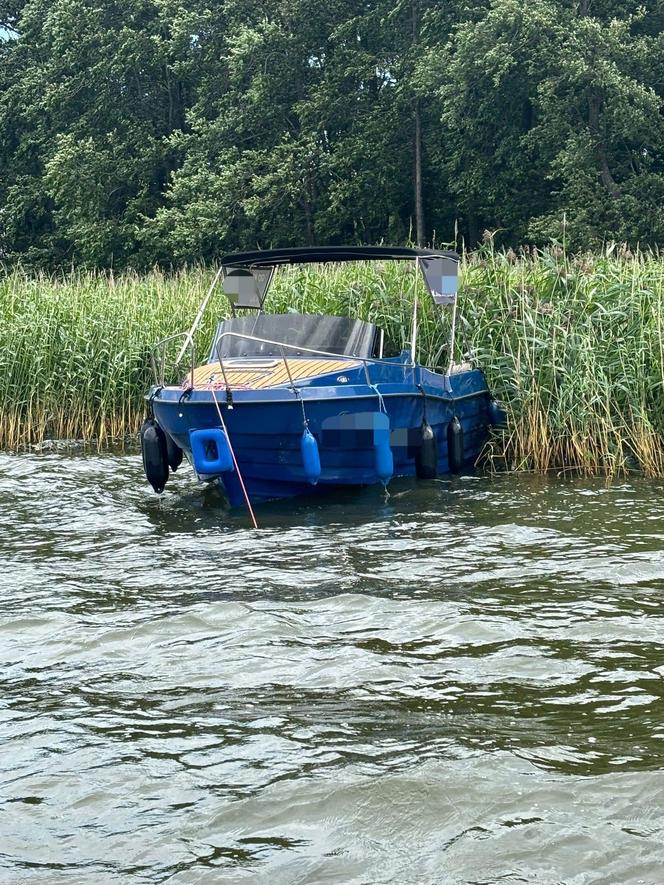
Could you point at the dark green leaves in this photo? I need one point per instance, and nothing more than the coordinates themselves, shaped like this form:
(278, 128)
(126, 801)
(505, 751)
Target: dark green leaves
(145, 131)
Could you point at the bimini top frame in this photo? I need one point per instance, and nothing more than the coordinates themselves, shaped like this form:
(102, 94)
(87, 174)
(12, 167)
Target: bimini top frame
(247, 275)
(322, 254)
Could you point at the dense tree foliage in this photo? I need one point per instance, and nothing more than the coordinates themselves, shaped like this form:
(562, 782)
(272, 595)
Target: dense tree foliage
(142, 131)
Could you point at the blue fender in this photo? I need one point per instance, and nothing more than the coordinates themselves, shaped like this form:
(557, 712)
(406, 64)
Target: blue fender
(210, 451)
(497, 415)
(310, 456)
(383, 458)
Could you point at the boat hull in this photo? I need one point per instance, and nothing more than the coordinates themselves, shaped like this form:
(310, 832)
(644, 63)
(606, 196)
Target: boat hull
(265, 427)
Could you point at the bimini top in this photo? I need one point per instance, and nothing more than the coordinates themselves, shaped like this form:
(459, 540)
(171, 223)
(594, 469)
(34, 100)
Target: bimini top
(321, 254)
(247, 275)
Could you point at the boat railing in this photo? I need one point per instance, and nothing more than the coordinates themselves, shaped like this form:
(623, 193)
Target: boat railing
(302, 350)
(159, 351)
(158, 357)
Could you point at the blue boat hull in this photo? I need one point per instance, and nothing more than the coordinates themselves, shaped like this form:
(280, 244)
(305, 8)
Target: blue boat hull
(265, 427)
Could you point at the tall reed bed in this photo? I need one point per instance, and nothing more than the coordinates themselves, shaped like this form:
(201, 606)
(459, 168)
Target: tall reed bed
(574, 349)
(572, 346)
(74, 350)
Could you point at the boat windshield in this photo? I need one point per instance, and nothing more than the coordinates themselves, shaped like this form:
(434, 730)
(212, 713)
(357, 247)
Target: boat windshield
(334, 335)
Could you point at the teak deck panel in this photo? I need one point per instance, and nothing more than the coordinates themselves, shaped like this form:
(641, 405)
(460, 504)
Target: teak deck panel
(259, 377)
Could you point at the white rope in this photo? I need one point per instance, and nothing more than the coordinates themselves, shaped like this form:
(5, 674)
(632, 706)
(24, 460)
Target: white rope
(380, 397)
(237, 467)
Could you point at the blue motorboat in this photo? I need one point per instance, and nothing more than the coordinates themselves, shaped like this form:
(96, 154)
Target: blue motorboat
(287, 404)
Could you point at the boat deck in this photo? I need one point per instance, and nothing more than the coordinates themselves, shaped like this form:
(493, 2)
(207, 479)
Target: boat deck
(258, 374)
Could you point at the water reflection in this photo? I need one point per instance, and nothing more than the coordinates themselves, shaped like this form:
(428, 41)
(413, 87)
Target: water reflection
(460, 683)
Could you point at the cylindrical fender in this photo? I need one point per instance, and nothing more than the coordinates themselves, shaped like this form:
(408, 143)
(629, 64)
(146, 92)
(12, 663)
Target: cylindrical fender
(383, 457)
(310, 456)
(210, 451)
(497, 416)
(173, 453)
(455, 445)
(155, 458)
(384, 461)
(426, 456)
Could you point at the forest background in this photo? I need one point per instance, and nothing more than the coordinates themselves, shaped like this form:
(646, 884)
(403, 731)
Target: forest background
(135, 132)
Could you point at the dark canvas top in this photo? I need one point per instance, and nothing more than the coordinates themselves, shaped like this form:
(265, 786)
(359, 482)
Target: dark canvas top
(313, 254)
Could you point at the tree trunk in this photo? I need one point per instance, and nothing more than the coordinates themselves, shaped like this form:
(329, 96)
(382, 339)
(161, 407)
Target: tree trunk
(473, 229)
(308, 213)
(608, 180)
(420, 233)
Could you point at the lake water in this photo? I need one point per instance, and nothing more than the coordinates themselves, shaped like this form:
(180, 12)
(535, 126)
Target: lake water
(460, 684)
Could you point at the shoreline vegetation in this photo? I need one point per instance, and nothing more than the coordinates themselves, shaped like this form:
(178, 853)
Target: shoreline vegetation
(571, 345)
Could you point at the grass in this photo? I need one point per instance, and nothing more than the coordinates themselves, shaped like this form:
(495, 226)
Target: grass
(74, 350)
(572, 346)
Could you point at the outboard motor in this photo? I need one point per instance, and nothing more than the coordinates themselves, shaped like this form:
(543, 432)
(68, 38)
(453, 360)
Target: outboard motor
(155, 455)
(426, 456)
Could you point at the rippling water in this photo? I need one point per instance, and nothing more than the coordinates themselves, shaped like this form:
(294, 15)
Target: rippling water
(461, 684)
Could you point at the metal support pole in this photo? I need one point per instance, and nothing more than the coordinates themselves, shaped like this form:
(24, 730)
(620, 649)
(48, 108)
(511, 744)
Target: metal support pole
(452, 337)
(413, 337)
(197, 319)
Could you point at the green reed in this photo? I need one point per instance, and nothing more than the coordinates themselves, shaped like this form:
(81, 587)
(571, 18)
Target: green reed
(574, 349)
(571, 346)
(74, 350)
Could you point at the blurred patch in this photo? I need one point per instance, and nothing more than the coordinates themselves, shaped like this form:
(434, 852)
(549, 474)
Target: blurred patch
(360, 430)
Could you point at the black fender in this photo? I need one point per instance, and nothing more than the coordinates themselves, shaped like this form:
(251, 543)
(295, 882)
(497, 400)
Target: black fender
(155, 454)
(173, 453)
(455, 445)
(426, 456)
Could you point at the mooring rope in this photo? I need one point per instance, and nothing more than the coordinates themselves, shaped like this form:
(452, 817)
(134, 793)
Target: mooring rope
(237, 466)
(298, 396)
(381, 401)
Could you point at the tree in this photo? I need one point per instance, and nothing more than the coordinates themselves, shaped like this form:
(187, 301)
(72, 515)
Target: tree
(601, 130)
(92, 93)
(134, 131)
(552, 113)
